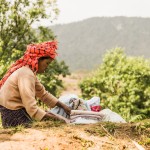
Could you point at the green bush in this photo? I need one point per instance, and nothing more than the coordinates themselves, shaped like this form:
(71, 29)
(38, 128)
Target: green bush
(122, 83)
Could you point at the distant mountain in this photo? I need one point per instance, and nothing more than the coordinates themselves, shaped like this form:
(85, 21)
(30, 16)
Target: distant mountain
(83, 44)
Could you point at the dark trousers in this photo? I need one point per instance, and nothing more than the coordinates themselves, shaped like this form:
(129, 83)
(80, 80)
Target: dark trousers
(13, 118)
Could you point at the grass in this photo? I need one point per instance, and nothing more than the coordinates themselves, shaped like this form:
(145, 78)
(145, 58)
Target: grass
(85, 143)
(47, 124)
(136, 131)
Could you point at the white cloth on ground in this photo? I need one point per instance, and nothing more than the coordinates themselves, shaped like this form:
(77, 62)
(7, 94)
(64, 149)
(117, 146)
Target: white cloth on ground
(111, 116)
(71, 101)
(85, 115)
(94, 101)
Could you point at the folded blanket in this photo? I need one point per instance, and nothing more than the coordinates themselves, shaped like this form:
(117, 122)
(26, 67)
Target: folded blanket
(81, 120)
(87, 116)
(82, 112)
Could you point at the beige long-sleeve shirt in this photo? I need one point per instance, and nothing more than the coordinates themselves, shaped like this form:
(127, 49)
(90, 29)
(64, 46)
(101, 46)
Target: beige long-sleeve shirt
(20, 90)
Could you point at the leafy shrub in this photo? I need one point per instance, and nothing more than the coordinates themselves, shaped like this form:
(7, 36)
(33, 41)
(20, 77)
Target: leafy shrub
(122, 83)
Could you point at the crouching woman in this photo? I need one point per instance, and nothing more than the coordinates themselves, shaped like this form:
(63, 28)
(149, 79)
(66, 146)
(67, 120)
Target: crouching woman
(20, 86)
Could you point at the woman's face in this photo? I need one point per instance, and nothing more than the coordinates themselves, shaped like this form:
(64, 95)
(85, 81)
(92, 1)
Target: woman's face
(43, 64)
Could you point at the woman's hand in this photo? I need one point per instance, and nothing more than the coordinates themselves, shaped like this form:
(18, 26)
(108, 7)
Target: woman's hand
(67, 110)
(50, 115)
(65, 107)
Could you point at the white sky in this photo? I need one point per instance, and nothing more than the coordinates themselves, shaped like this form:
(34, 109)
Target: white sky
(76, 10)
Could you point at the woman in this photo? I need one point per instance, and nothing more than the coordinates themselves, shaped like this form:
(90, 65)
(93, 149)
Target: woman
(20, 86)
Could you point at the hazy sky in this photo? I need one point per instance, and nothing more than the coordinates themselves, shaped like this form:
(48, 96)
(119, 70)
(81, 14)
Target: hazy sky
(75, 10)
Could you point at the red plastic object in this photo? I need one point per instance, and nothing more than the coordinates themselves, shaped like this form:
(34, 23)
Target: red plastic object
(96, 108)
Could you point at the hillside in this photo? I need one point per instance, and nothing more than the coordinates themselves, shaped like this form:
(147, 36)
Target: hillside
(82, 44)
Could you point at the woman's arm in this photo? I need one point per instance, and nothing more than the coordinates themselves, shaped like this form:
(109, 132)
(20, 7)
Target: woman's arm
(49, 99)
(26, 86)
(44, 95)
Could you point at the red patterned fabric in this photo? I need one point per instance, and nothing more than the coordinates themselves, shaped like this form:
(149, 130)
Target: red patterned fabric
(31, 56)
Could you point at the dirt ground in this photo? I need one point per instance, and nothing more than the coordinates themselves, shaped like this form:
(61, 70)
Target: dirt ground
(59, 136)
(48, 136)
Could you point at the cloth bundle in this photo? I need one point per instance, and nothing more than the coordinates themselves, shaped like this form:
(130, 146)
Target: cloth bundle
(73, 102)
(82, 111)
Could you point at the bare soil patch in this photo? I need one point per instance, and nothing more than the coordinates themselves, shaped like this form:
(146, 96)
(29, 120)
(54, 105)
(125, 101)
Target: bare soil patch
(59, 136)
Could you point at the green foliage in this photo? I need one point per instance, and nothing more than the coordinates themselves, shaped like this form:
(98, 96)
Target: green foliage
(16, 20)
(122, 83)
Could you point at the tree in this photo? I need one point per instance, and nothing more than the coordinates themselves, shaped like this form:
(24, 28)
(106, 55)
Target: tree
(16, 20)
(122, 83)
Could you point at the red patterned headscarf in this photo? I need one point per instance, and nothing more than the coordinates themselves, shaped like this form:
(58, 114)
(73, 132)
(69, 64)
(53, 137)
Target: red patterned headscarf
(31, 56)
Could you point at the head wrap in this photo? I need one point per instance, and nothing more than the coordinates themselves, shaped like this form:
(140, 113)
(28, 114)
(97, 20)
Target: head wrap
(31, 56)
